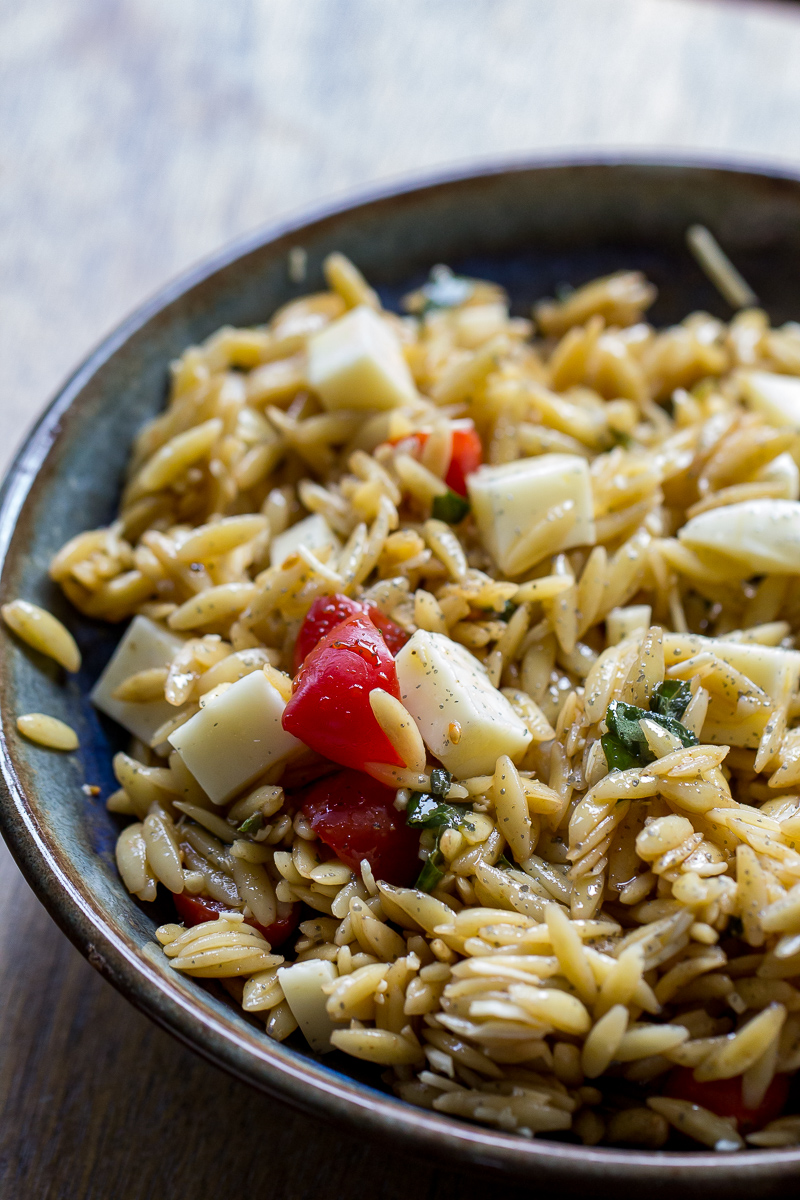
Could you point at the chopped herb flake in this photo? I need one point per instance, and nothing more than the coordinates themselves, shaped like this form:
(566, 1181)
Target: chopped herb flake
(671, 698)
(440, 781)
(252, 824)
(625, 744)
(426, 812)
(431, 874)
(617, 757)
(450, 507)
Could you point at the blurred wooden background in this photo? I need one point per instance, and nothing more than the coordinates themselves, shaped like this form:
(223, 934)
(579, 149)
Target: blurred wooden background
(137, 136)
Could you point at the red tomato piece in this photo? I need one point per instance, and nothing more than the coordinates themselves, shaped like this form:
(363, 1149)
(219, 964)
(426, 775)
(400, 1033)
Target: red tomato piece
(330, 709)
(329, 611)
(193, 910)
(724, 1097)
(324, 615)
(393, 634)
(356, 817)
(467, 456)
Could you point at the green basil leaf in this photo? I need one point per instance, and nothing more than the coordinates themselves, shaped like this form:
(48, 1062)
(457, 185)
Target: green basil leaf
(421, 807)
(684, 735)
(425, 812)
(618, 758)
(623, 722)
(671, 698)
(450, 507)
(440, 781)
(431, 874)
(252, 824)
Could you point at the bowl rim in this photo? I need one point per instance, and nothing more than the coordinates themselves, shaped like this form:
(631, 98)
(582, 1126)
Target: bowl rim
(255, 1059)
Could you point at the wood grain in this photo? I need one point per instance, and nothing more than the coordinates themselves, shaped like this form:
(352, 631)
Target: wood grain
(137, 136)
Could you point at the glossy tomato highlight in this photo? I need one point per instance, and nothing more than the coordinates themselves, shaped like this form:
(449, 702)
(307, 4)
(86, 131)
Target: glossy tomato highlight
(328, 611)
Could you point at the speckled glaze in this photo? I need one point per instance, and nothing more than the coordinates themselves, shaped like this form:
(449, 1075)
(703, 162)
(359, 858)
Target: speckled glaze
(531, 226)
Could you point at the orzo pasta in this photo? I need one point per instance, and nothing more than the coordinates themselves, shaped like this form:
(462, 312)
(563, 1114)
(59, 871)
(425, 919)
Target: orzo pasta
(464, 698)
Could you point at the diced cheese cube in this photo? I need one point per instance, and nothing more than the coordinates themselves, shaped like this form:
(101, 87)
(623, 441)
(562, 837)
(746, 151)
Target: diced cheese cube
(465, 721)
(762, 535)
(510, 499)
(302, 985)
(235, 737)
(356, 362)
(622, 622)
(777, 397)
(144, 647)
(313, 532)
(775, 670)
(783, 470)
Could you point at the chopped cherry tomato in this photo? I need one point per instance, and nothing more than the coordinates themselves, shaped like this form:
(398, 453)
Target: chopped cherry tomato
(356, 817)
(325, 613)
(330, 709)
(393, 634)
(465, 458)
(328, 611)
(724, 1097)
(193, 910)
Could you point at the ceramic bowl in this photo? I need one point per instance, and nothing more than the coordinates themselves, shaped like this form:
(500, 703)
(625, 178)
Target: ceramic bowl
(532, 226)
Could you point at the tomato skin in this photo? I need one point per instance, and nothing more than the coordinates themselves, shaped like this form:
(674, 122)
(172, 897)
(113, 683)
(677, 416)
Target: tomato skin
(193, 910)
(324, 615)
(724, 1097)
(330, 710)
(467, 456)
(328, 611)
(393, 634)
(356, 817)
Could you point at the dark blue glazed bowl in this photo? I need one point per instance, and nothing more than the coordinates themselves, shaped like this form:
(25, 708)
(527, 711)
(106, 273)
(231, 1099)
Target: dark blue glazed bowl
(530, 226)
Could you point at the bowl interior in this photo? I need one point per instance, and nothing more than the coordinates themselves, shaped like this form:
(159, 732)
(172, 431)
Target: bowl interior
(531, 229)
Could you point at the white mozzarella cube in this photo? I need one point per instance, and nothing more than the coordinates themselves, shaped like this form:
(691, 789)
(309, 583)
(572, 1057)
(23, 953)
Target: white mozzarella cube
(777, 397)
(302, 985)
(762, 535)
(463, 719)
(357, 362)
(235, 737)
(783, 470)
(313, 532)
(772, 668)
(510, 499)
(622, 622)
(144, 647)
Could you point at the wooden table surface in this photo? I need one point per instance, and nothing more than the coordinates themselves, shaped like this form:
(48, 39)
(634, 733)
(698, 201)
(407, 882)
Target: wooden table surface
(137, 136)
